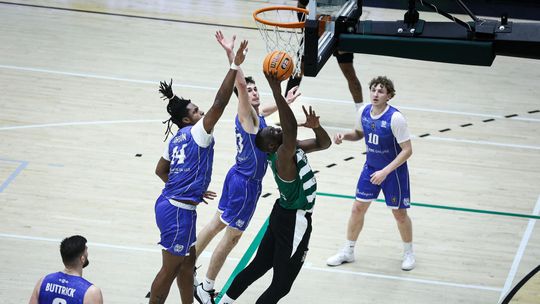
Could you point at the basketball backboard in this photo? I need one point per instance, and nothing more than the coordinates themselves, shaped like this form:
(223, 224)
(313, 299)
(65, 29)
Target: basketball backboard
(334, 25)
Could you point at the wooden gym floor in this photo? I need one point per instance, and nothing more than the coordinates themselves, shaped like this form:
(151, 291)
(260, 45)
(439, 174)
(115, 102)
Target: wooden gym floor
(79, 102)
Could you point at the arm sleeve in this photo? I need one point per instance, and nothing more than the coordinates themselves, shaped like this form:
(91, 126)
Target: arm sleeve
(200, 136)
(358, 119)
(166, 151)
(400, 128)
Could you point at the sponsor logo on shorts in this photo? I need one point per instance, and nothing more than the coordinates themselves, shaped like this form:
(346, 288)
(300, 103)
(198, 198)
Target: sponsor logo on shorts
(178, 248)
(240, 223)
(406, 201)
(394, 199)
(361, 193)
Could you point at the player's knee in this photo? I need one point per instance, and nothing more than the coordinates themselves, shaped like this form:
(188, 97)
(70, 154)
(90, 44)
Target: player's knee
(400, 215)
(233, 236)
(359, 208)
(216, 225)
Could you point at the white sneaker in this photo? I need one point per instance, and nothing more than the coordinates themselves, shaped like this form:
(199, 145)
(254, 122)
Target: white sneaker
(340, 258)
(409, 262)
(204, 296)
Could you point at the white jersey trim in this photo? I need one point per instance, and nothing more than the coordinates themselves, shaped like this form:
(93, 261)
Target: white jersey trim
(200, 136)
(358, 120)
(400, 128)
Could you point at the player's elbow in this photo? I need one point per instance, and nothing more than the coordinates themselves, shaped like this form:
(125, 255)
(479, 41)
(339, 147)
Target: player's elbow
(325, 144)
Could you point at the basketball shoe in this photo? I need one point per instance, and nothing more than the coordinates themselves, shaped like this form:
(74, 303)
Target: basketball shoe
(204, 296)
(343, 256)
(409, 262)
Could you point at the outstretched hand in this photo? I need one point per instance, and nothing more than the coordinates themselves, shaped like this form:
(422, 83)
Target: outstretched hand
(166, 89)
(292, 95)
(312, 120)
(241, 53)
(228, 46)
(274, 82)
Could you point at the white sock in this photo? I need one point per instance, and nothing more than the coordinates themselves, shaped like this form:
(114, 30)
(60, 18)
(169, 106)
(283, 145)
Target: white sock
(208, 284)
(226, 300)
(349, 246)
(407, 247)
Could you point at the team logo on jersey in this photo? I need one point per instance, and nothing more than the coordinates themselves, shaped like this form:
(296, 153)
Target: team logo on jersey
(63, 281)
(383, 124)
(372, 126)
(178, 248)
(240, 223)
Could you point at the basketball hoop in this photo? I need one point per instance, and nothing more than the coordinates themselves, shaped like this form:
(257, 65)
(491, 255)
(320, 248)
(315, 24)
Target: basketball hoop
(282, 29)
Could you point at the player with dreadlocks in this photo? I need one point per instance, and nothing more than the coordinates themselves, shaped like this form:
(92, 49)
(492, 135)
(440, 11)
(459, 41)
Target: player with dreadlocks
(186, 168)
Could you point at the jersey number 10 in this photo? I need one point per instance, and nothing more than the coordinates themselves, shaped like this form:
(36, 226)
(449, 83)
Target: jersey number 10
(373, 139)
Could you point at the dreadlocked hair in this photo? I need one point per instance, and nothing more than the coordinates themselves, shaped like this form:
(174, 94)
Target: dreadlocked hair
(177, 107)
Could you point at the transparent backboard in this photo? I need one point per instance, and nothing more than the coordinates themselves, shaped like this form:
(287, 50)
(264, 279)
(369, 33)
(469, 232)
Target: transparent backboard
(320, 41)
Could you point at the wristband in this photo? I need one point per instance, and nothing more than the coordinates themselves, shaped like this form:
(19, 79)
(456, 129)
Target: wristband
(234, 66)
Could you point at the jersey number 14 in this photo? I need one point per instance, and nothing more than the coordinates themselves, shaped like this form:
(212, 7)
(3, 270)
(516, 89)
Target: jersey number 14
(178, 156)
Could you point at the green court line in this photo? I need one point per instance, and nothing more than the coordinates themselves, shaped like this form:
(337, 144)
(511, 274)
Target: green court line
(245, 259)
(536, 217)
(257, 240)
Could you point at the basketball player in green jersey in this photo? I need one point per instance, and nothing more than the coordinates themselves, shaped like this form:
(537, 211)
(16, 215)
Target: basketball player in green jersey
(285, 244)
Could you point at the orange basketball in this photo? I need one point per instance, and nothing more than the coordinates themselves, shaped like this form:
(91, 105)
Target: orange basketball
(280, 62)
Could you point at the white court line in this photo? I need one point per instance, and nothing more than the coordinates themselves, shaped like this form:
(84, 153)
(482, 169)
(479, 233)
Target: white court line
(79, 123)
(105, 122)
(476, 142)
(520, 251)
(307, 266)
(389, 277)
(316, 99)
(206, 254)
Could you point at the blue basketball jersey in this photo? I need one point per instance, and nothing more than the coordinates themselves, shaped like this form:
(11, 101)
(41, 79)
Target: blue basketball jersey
(382, 146)
(250, 161)
(190, 167)
(62, 288)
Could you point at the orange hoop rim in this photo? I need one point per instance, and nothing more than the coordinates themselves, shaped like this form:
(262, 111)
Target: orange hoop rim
(299, 24)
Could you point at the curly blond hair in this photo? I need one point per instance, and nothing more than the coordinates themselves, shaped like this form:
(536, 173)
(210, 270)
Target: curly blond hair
(385, 82)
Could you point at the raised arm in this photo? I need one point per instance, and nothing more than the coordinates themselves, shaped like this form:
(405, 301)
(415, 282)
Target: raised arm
(225, 91)
(321, 141)
(246, 113)
(290, 98)
(286, 165)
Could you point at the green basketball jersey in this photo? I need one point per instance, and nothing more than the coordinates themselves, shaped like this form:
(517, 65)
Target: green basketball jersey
(299, 193)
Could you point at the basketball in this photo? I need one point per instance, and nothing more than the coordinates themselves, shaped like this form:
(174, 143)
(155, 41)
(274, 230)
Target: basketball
(280, 62)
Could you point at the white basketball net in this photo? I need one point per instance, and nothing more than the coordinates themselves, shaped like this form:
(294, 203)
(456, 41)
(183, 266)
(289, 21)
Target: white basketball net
(277, 38)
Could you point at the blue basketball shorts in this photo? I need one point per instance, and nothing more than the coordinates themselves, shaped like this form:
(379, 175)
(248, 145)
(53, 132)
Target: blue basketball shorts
(238, 200)
(176, 222)
(395, 187)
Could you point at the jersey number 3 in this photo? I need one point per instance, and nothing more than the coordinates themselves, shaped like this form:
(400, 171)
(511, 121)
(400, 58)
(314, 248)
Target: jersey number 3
(239, 144)
(178, 156)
